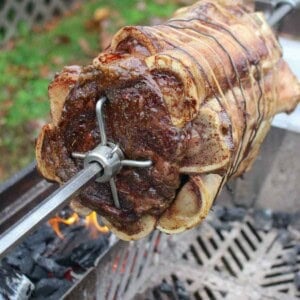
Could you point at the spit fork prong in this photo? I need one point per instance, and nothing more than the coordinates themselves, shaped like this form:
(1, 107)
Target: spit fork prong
(109, 156)
(101, 124)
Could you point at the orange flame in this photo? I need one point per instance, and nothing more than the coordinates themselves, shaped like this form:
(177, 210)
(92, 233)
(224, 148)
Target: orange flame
(56, 221)
(90, 222)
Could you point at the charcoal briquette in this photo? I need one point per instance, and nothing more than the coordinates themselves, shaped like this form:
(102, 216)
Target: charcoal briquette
(282, 219)
(47, 287)
(263, 219)
(38, 273)
(14, 285)
(297, 280)
(50, 265)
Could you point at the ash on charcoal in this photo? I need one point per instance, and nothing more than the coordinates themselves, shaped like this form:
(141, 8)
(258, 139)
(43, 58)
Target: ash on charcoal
(14, 285)
(296, 221)
(282, 219)
(290, 257)
(176, 290)
(74, 235)
(52, 288)
(219, 225)
(165, 287)
(44, 235)
(263, 219)
(297, 280)
(50, 265)
(39, 249)
(16, 259)
(224, 215)
(38, 273)
(284, 237)
(297, 249)
(86, 253)
(181, 291)
(230, 214)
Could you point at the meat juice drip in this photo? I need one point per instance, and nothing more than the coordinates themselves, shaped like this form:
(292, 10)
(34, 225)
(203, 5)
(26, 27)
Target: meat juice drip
(51, 260)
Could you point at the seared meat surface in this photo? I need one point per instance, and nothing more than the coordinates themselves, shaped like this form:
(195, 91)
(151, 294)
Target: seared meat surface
(196, 95)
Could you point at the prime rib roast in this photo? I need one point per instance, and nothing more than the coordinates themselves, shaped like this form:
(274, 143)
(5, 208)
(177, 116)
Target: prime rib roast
(196, 95)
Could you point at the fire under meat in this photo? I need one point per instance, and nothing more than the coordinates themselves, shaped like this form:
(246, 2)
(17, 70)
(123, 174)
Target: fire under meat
(90, 221)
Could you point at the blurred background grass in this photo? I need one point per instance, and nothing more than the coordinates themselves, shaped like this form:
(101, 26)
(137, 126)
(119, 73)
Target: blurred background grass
(29, 62)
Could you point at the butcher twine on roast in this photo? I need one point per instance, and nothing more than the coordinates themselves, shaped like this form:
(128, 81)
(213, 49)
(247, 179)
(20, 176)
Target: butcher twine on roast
(196, 95)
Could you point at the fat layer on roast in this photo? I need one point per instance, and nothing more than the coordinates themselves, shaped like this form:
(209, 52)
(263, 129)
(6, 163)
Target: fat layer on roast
(196, 95)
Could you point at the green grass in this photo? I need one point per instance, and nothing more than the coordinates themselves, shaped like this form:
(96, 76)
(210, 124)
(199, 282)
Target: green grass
(28, 67)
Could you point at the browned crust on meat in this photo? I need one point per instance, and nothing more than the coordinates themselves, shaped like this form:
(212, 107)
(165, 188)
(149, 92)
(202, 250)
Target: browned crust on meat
(196, 95)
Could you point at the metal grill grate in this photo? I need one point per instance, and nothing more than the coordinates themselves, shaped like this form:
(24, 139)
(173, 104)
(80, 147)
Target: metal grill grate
(241, 262)
(238, 263)
(15, 12)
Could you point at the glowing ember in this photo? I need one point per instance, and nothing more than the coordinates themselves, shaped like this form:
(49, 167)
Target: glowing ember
(90, 221)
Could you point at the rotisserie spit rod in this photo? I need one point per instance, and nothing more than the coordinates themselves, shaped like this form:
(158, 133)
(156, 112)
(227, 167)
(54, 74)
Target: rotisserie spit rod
(47, 208)
(282, 9)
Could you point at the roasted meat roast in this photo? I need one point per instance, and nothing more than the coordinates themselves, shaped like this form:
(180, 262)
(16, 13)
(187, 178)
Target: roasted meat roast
(196, 95)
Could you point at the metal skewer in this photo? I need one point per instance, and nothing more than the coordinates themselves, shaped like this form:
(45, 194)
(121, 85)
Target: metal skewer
(47, 208)
(283, 8)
